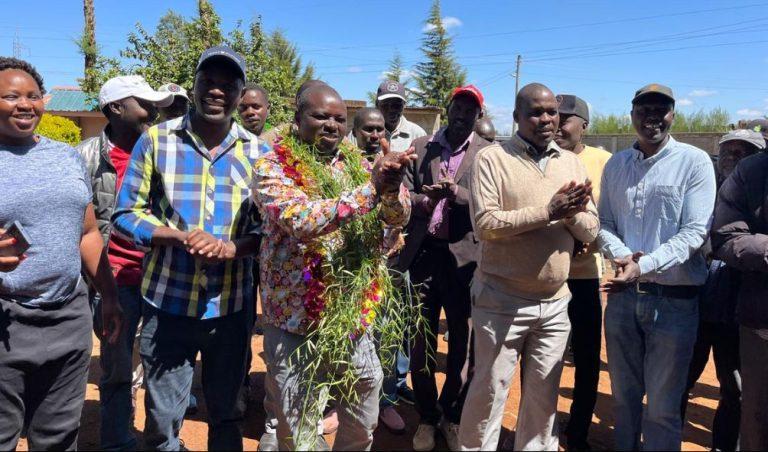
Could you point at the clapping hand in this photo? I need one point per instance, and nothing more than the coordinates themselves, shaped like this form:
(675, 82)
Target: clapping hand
(627, 273)
(389, 167)
(571, 199)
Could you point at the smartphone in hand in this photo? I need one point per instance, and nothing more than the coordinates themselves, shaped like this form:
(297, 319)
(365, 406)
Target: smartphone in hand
(23, 242)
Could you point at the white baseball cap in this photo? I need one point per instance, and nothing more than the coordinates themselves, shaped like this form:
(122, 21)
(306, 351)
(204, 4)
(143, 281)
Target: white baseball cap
(124, 86)
(174, 89)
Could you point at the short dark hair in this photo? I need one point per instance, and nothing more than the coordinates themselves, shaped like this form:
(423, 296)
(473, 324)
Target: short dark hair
(303, 98)
(362, 114)
(251, 86)
(21, 65)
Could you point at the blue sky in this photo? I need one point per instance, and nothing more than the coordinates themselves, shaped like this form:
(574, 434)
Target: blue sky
(712, 53)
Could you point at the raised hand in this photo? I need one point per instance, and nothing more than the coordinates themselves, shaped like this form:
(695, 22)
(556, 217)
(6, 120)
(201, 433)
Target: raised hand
(389, 167)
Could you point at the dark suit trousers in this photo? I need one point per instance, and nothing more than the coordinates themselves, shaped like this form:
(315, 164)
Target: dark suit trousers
(586, 317)
(441, 285)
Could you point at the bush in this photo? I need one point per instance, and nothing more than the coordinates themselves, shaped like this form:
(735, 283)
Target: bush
(59, 128)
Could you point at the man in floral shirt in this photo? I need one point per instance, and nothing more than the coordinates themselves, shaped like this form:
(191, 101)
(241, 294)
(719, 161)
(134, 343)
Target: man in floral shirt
(297, 221)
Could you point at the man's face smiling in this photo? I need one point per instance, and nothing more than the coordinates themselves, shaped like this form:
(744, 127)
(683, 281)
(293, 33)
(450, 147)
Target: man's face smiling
(652, 117)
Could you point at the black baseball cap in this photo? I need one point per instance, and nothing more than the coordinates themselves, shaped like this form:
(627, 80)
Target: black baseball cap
(573, 105)
(390, 89)
(654, 88)
(225, 53)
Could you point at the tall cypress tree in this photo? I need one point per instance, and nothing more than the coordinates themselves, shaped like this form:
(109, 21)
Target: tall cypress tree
(440, 73)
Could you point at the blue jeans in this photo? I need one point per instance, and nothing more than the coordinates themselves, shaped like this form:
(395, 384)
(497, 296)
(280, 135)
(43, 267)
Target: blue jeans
(169, 346)
(395, 379)
(649, 340)
(116, 404)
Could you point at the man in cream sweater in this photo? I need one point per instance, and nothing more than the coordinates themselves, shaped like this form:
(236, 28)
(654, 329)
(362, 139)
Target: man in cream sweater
(530, 204)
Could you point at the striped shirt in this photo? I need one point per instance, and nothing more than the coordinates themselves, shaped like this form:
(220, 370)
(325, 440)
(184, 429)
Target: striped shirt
(173, 181)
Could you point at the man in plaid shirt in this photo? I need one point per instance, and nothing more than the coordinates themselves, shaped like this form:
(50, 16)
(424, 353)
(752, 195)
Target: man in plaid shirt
(186, 200)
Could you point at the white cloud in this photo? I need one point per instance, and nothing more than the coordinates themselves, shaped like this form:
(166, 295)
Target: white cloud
(749, 113)
(684, 102)
(702, 93)
(501, 115)
(354, 69)
(448, 23)
(405, 75)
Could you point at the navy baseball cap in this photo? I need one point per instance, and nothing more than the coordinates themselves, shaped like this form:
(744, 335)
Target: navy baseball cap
(225, 53)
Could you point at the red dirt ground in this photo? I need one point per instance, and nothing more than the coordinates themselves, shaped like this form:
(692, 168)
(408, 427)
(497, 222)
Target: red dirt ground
(696, 435)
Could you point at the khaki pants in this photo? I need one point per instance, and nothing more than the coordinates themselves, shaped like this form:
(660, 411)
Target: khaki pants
(357, 421)
(536, 333)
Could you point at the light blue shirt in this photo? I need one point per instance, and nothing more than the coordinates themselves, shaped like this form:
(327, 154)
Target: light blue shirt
(661, 206)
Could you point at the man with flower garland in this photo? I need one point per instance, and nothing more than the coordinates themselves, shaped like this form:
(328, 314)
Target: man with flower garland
(301, 229)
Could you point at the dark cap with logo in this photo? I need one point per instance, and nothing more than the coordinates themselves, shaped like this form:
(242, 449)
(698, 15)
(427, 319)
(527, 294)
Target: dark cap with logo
(572, 105)
(390, 89)
(224, 53)
(654, 88)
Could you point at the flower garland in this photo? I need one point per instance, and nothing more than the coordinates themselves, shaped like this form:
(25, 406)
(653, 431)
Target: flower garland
(350, 292)
(300, 172)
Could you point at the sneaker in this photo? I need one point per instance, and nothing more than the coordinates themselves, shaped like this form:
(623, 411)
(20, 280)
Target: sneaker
(406, 395)
(450, 432)
(392, 420)
(330, 422)
(424, 439)
(268, 442)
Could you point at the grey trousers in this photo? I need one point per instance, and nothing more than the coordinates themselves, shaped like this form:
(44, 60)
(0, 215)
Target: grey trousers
(44, 358)
(754, 389)
(536, 334)
(284, 370)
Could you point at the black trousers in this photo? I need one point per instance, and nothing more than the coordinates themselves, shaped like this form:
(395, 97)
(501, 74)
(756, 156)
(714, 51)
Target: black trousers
(44, 360)
(441, 284)
(723, 340)
(586, 315)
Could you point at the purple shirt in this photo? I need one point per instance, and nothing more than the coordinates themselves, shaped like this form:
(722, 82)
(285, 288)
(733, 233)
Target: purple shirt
(450, 159)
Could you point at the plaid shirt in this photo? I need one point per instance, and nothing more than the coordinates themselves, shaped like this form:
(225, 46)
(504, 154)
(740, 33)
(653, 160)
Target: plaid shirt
(173, 181)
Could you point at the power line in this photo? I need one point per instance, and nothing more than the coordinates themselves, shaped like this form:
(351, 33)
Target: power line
(537, 30)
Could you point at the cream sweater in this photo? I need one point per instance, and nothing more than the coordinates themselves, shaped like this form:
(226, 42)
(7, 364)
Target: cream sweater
(522, 253)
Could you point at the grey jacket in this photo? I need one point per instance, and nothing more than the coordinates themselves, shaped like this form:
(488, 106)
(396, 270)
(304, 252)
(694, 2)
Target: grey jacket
(740, 236)
(95, 152)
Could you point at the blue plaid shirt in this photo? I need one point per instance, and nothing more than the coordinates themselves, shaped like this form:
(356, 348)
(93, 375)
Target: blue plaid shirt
(173, 181)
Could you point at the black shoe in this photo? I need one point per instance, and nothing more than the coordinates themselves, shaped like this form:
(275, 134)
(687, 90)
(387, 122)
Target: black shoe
(406, 395)
(268, 442)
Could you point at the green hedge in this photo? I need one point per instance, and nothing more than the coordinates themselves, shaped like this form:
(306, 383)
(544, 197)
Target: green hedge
(59, 128)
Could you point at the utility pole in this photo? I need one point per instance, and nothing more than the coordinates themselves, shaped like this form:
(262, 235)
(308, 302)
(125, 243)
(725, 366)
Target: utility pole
(517, 87)
(19, 49)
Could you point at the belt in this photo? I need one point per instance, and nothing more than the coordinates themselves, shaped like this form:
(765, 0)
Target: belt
(668, 291)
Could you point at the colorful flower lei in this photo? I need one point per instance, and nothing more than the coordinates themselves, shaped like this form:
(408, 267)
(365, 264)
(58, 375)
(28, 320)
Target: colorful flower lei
(350, 291)
(301, 173)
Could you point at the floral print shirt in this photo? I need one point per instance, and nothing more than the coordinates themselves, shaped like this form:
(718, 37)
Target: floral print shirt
(293, 222)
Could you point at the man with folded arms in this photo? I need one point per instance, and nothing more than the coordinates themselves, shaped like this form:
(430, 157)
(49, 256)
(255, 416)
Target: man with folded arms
(655, 208)
(530, 204)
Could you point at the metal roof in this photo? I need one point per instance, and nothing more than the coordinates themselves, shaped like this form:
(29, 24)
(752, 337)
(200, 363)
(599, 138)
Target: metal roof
(68, 99)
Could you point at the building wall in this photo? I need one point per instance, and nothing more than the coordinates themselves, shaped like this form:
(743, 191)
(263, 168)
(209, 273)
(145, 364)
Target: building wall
(91, 126)
(617, 142)
(613, 143)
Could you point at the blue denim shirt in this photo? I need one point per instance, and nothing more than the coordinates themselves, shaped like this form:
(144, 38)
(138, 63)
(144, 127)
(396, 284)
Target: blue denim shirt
(661, 206)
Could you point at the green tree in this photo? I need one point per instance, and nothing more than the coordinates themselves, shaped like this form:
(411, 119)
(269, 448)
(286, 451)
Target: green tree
(171, 52)
(58, 128)
(440, 73)
(715, 120)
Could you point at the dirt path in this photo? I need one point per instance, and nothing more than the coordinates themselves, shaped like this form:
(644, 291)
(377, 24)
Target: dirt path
(696, 435)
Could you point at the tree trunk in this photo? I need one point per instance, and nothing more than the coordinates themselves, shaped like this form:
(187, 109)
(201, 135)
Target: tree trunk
(89, 34)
